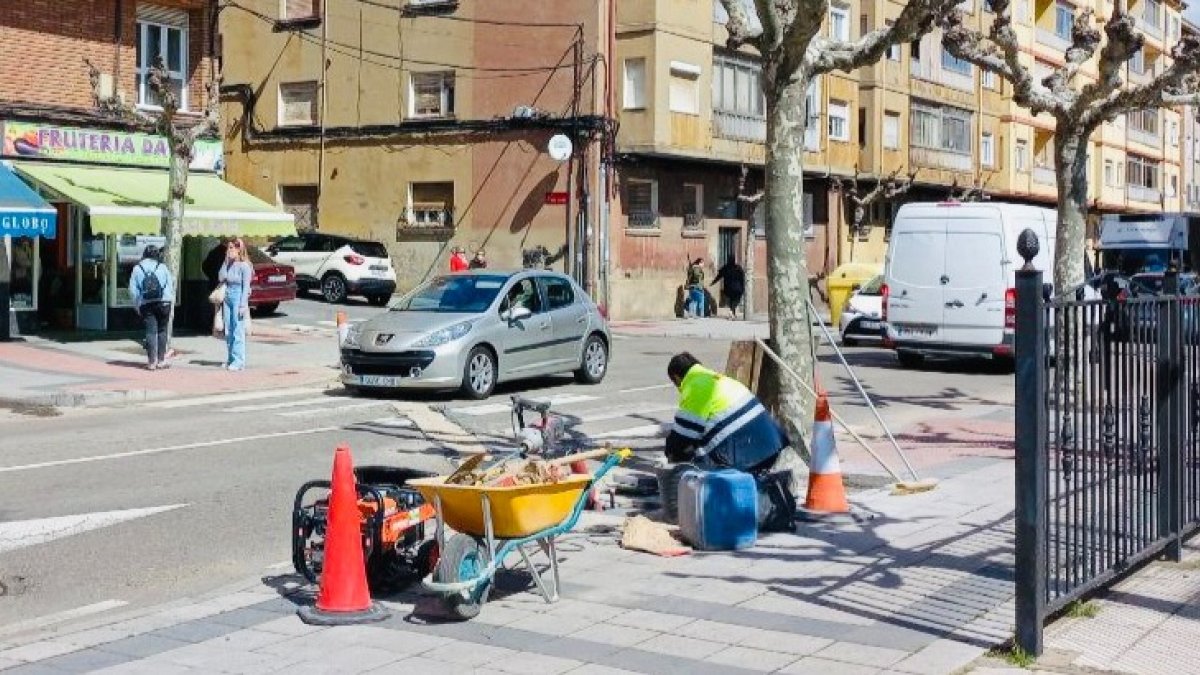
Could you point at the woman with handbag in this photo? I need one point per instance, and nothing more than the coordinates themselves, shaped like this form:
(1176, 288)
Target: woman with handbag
(235, 277)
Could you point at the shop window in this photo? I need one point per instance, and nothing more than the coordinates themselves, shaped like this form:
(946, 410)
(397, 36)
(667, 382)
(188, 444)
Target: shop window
(298, 104)
(431, 95)
(23, 269)
(430, 205)
(301, 202)
(129, 254)
(162, 33)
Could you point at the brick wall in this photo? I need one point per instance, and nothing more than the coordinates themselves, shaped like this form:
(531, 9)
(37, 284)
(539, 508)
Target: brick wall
(45, 42)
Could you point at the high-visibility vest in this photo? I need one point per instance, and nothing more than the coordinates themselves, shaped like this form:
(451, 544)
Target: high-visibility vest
(720, 417)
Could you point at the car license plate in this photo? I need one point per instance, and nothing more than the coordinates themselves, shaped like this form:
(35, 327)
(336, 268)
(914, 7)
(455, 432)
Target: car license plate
(379, 271)
(277, 278)
(379, 380)
(916, 329)
(869, 325)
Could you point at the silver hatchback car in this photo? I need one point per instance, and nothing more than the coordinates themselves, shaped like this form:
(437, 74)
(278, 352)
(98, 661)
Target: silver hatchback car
(472, 330)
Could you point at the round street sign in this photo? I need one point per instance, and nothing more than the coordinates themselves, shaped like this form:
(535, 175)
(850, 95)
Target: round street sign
(559, 147)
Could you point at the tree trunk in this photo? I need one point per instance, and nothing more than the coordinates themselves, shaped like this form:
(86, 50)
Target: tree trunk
(748, 266)
(1070, 168)
(787, 267)
(180, 162)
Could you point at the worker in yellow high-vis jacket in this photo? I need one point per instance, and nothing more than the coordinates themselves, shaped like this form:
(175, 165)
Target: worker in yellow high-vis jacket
(720, 422)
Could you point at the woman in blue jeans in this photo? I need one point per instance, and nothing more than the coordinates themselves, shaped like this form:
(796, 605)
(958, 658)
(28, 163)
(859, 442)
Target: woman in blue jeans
(236, 275)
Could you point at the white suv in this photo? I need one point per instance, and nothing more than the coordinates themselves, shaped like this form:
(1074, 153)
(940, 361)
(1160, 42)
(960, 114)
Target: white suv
(338, 266)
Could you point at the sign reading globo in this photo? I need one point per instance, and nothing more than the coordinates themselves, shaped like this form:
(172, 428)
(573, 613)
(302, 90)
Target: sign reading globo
(46, 141)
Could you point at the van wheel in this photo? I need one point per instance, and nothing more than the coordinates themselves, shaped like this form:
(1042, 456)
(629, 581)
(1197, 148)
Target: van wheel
(910, 359)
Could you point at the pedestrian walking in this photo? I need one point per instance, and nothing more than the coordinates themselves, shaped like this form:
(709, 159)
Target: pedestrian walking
(458, 260)
(235, 277)
(153, 292)
(479, 261)
(733, 285)
(695, 288)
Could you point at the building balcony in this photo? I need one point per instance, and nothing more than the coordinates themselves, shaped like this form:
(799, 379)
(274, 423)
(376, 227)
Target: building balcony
(1149, 28)
(940, 159)
(1138, 193)
(1136, 135)
(1043, 175)
(1053, 40)
(739, 127)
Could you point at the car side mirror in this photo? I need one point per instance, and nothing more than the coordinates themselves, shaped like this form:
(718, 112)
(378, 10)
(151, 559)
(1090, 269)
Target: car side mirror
(516, 314)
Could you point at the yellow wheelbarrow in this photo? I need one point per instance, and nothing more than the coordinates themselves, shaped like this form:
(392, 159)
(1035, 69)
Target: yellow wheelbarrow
(493, 522)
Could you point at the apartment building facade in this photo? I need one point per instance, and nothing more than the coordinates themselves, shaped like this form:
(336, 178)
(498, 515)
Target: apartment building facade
(103, 182)
(423, 124)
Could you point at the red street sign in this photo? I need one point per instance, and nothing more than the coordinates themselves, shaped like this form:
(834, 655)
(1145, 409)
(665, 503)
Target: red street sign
(556, 197)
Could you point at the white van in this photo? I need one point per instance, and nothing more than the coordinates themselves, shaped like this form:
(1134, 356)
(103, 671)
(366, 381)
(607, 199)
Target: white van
(950, 275)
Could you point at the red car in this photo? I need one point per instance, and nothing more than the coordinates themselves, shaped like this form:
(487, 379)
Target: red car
(273, 283)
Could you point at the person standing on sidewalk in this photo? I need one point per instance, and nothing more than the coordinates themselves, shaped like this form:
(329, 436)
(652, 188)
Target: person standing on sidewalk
(734, 284)
(458, 260)
(695, 288)
(479, 261)
(236, 275)
(153, 291)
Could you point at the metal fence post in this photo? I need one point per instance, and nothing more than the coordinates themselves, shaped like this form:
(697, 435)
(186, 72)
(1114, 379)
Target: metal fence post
(1170, 418)
(1032, 465)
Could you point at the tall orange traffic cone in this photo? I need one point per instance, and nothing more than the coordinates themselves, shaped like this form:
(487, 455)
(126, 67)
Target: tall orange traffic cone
(344, 598)
(826, 493)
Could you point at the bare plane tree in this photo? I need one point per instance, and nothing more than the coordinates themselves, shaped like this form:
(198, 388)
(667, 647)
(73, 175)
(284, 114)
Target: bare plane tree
(751, 201)
(888, 188)
(181, 142)
(787, 35)
(975, 192)
(1078, 107)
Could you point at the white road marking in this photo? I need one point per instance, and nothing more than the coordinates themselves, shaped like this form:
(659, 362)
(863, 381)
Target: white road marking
(60, 617)
(493, 408)
(285, 404)
(170, 448)
(618, 414)
(335, 409)
(647, 431)
(389, 423)
(650, 388)
(234, 397)
(25, 533)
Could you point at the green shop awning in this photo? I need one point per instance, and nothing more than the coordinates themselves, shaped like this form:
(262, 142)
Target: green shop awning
(131, 201)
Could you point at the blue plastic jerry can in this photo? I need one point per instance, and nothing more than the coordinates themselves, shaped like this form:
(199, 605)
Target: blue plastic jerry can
(718, 510)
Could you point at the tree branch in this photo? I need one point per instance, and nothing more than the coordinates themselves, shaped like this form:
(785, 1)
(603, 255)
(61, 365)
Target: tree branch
(1124, 40)
(1085, 39)
(1000, 53)
(743, 196)
(114, 105)
(1176, 85)
(916, 19)
(740, 28)
(210, 124)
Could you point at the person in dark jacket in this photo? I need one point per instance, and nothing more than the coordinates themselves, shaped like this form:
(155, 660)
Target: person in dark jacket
(733, 285)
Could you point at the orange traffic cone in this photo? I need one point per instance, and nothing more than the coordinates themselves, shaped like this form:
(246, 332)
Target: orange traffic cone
(344, 598)
(826, 493)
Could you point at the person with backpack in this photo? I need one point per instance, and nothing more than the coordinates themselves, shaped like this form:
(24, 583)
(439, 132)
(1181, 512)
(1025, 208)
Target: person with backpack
(153, 292)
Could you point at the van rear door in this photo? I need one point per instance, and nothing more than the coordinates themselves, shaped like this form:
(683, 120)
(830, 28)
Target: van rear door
(916, 260)
(973, 294)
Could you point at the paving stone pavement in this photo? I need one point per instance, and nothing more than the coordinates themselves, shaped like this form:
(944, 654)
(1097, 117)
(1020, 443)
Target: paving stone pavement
(920, 585)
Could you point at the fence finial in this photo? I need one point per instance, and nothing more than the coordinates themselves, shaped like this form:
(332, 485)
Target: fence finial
(1027, 247)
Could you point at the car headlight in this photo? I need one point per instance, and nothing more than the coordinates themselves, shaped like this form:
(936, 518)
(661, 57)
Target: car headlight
(352, 336)
(448, 334)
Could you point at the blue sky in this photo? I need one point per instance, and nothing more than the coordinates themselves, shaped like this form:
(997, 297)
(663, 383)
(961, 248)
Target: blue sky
(1193, 13)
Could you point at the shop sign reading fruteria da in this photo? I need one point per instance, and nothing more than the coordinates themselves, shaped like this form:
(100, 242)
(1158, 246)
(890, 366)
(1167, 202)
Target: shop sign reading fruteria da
(33, 140)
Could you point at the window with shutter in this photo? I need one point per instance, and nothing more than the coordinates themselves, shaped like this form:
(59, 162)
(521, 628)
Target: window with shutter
(431, 204)
(298, 104)
(300, 9)
(301, 202)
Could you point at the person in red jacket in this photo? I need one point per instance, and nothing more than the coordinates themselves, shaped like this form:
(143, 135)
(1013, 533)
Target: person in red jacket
(458, 259)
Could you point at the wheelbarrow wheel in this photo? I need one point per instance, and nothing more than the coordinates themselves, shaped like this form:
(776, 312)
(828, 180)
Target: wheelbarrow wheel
(465, 558)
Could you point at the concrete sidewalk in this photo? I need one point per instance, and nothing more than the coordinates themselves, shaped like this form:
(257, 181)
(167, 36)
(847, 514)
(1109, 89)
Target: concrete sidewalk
(38, 371)
(921, 586)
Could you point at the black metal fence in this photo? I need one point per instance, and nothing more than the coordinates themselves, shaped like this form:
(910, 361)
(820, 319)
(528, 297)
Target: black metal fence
(1107, 442)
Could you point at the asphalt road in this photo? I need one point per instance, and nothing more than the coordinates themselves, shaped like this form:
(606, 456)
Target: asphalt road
(228, 467)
